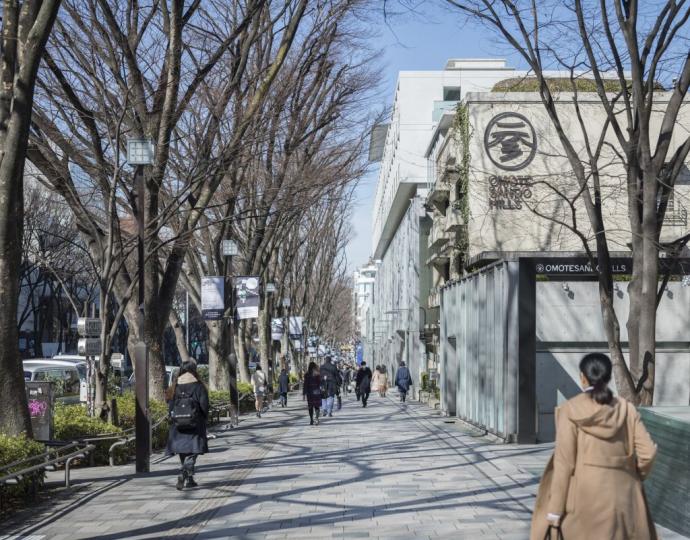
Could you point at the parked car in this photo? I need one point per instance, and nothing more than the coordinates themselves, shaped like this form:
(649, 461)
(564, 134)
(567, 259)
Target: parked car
(170, 372)
(69, 376)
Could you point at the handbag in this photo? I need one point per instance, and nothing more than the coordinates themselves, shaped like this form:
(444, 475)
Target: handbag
(559, 533)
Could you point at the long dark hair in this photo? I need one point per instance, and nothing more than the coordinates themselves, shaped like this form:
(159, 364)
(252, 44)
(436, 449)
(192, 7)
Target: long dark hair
(312, 368)
(596, 367)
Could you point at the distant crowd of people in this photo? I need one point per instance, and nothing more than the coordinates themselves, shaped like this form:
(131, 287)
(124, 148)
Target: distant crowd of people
(591, 488)
(322, 388)
(324, 385)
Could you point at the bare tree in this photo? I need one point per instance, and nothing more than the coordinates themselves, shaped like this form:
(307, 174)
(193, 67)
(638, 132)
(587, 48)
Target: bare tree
(146, 68)
(25, 30)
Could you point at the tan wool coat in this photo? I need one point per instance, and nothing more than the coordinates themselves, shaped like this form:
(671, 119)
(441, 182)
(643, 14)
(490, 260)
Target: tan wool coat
(594, 479)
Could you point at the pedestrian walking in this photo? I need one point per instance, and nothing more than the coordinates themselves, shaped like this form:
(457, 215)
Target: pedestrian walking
(363, 383)
(188, 409)
(283, 386)
(329, 384)
(347, 378)
(259, 386)
(403, 380)
(592, 486)
(311, 390)
(383, 382)
(375, 379)
(339, 388)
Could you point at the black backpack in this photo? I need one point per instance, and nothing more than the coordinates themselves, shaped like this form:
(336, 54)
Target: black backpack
(185, 413)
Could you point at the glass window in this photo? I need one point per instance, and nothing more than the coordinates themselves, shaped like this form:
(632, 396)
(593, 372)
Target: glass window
(451, 93)
(27, 375)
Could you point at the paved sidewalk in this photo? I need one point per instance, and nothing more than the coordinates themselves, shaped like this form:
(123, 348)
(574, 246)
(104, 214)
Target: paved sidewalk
(388, 471)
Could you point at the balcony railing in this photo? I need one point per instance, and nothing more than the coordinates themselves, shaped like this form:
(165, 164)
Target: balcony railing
(441, 107)
(438, 236)
(455, 220)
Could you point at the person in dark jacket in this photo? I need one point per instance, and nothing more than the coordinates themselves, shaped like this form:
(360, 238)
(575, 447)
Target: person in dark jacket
(347, 378)
(403, 380)
(363, 383)
(189, 440)
(311, 389)
(329, 385)
(283, 386)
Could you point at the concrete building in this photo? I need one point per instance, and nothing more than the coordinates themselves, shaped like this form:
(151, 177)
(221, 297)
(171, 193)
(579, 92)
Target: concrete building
(363, 296)
(399, 318)
(518, 301)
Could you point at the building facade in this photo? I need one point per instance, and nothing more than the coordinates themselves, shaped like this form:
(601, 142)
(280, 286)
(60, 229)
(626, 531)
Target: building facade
(402, 318)
(518, 301)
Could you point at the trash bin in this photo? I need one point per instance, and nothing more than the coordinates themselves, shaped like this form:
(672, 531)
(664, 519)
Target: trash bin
(40, 398)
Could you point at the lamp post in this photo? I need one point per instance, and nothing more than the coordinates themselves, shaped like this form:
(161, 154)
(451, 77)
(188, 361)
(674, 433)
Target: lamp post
(141, 152)
(285, 304)
(270, 290)
(229, 249)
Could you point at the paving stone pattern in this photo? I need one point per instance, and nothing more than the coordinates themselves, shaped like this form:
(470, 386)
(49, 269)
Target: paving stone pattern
(389, 471)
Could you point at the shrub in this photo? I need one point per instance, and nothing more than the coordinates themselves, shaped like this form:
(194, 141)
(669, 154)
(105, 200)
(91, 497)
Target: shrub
(294, 379)
(216, 397)
(202, 371)
(73, 423)
(14, 449)
(126, 411)
(222, 396)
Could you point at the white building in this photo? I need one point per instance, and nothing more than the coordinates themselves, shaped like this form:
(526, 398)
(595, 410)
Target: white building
(363, 297)
(400, 224)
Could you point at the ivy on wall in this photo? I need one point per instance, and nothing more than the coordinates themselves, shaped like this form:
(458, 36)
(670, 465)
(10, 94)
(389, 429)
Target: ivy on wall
(463, 133)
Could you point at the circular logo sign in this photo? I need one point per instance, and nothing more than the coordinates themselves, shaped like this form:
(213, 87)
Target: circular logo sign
(510, 141)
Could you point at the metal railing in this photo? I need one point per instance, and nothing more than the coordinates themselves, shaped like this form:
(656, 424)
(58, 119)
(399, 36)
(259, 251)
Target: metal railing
(47, 461)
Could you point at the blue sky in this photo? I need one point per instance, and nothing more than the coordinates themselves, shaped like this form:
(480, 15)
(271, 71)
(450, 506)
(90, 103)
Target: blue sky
(423, 41)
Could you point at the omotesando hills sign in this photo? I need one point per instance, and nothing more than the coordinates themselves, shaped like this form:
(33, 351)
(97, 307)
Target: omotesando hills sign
(580, 266)
(510, 143)
(509, 192)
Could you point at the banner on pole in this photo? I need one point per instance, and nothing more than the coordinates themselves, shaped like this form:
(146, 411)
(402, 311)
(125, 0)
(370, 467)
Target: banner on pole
(277, 329)
(212, 298)
(295, 328)
(247, 298)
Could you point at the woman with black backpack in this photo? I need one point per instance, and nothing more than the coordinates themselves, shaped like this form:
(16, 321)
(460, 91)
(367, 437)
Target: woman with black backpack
(188, 407)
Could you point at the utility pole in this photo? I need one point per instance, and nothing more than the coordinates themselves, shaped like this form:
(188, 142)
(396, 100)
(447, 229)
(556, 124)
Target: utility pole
(230, 250)
(140, 152)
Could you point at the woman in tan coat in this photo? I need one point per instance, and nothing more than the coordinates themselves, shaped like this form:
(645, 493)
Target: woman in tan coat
(592, 487)
(383, 381)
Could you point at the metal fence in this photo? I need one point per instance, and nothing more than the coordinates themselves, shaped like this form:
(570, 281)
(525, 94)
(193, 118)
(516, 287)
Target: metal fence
(479, 356)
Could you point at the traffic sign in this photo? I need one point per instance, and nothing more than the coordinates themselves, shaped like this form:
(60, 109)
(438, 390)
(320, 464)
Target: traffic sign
(89, 327)
(89, 347)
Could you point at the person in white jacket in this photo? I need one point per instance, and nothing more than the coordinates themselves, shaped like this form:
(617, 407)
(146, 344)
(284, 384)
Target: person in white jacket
(259, 384)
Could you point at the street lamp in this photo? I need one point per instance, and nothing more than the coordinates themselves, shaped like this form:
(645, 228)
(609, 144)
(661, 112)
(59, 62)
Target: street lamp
(268, 308)
(141, 152)
(229, 249)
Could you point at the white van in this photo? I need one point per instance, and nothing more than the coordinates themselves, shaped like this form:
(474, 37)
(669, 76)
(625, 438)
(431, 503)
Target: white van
(72, 375)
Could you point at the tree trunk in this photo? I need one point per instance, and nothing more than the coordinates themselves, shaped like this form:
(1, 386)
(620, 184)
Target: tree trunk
(621, 373)
(154, 339)
(241, 352)
(180, 336)
(265, 341)
(218, 359)
(25, 31)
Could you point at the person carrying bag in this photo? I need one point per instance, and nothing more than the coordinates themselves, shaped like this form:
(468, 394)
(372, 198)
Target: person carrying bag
(592, 486)
(188, 408)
